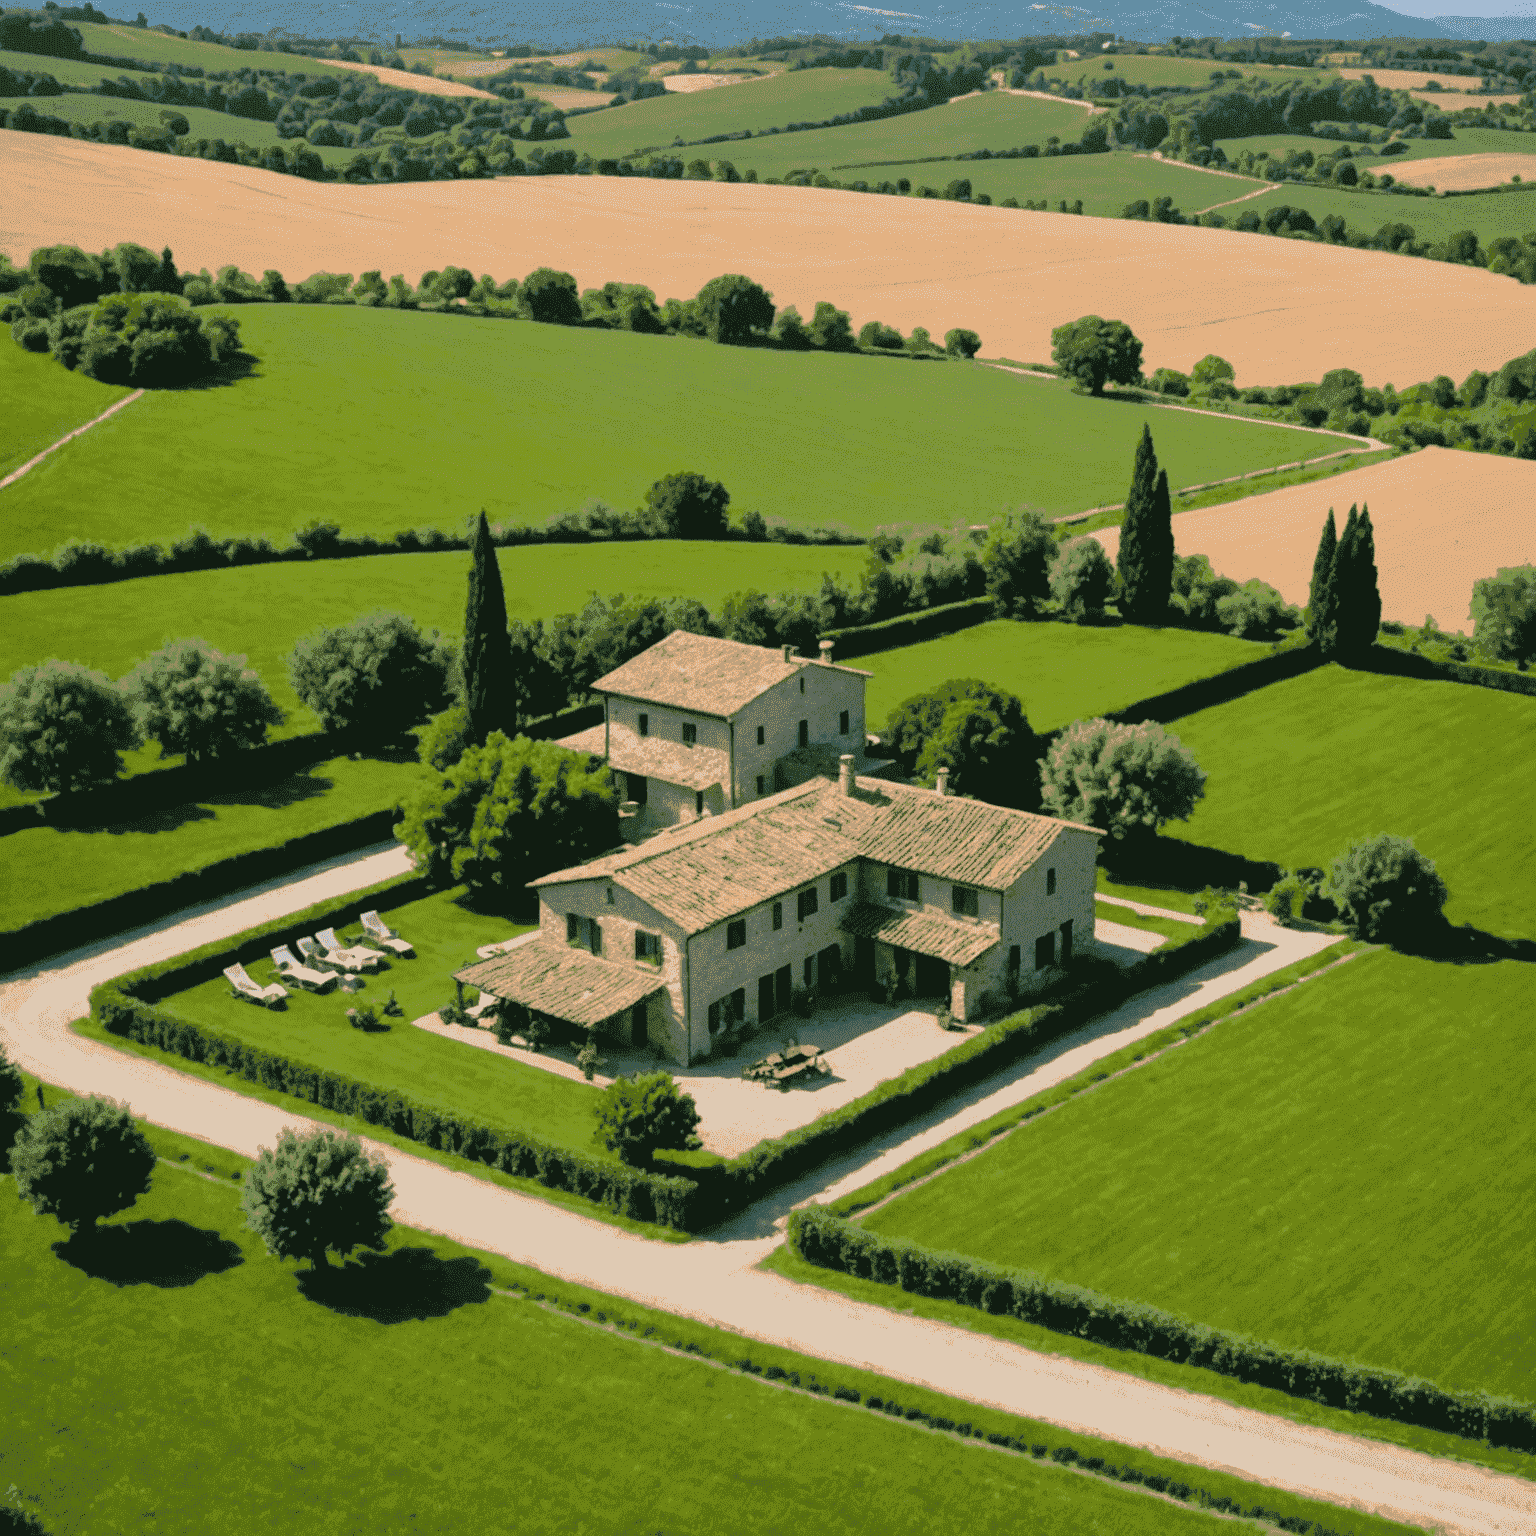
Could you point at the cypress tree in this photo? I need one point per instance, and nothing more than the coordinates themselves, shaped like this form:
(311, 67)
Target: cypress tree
(1322, 564)
(1338, 594)
(490, 695)
(1146, 539)
(1360, 619)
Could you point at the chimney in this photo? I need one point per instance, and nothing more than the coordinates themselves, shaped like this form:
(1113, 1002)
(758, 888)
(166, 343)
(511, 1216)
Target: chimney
(943, 785)
(789, 653)
(845, 773)
(826, 653)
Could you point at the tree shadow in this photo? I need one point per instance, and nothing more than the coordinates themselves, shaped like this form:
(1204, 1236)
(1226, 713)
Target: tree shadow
(165, 818)
(275, 797)
(1466, 945)
(407, 1285)
(221, 376)
(169, 1254)
(1170, 862)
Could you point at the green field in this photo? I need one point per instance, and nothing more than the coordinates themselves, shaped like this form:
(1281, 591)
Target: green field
(428, 418)
(1468, 141)
(1342, 1169)
(261, 611)
(48, 870)
(1062, 672)
(42, 403)
(808, 95)
(151, 47)
(67, 72)
(1152, 69)
(1300, 769)
(1488, 214)
(151, 1381)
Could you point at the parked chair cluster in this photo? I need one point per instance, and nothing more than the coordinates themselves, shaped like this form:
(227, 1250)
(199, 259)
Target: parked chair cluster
(324, 960)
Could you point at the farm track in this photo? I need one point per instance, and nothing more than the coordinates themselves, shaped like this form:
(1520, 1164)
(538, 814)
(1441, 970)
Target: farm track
(38, 458)
(715, 1279)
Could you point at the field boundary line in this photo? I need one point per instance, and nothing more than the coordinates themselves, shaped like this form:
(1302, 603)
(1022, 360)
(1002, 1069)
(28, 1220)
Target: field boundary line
(31, 463)
(1111, 1077)
(1210, 170)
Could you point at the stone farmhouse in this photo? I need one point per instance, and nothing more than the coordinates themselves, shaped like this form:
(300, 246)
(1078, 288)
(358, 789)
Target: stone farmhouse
(753, 893)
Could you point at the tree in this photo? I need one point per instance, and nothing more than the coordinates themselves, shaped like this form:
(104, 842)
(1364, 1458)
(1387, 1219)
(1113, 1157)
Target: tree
(316, 1192)
(193, 700)
(1255, 611)
(1360, 619)
(1017, 557)
(509, 811)
(1127, 780)
(1146, 540)
(1336, 592)
(1094, 352)
(875, 334)
(1212, 369)
(790, 331)
(168, 280)
(1322, 567)
(378, 676)
(11, 1118)
(136, 268)
(637, 1116)
(1082, 580)
(962, 343)
(734, 310)
(989, 749)
(1387, 892)
(485, 665)
(63, 728)
(831, 329)
(1504, 614)
(443, 739)
(549, 296)
(916, 720)
(81, 1160)
(152, 340)
(539, 687)
(687, 506)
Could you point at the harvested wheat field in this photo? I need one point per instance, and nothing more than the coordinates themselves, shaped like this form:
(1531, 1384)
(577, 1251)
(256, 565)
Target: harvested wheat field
(1279, 310)
(688, 83)
(405, 80)
(1470, 173)
(1414, 80)
(1442, 518)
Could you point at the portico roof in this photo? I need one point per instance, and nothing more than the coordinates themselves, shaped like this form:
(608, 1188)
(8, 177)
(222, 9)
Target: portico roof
(925, 933)
(562, 981)
(654, 758)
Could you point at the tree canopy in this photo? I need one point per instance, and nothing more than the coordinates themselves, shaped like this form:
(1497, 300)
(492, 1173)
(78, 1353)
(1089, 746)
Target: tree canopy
(1020, 550)
(1127, 780)
(81, 1160)
(378, 675)
(734, 310)
(1387, 892)
(638, 1116)
(989, 748)
(1146, 539)
(549, 296)
(1096, 352)
(63, 728)
(1504, 614)
(1083, 580)
(489, 693)
(194, 700)
(688, 506)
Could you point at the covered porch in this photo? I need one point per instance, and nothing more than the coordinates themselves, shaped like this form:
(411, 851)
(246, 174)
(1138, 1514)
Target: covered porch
(925, 953)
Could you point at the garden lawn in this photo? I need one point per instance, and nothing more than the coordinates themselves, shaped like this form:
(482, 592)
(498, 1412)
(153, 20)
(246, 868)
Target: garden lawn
(385, 420)
(42, 403)
(1299, 770)
(47, 870)
(261, 611)
(1342, 1169)
(159, 1377)
(1062, 672)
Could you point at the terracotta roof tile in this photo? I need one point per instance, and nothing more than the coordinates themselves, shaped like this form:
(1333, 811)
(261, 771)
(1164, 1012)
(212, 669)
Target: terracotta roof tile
(655, 758)
(562, 981)
(928, 933)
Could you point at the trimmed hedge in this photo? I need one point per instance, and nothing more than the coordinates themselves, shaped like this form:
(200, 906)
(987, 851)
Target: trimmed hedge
(126, 1007)
(833, 1242)
(727, 1185)
(1221, 688)
(1398, 663)
(909, 628)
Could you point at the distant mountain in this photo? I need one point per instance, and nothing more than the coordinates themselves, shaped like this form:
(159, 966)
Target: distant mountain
(1491, 29)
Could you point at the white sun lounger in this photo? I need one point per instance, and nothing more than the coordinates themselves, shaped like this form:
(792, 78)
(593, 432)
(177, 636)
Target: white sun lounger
(358, 958)
(301, 975)
(385, 937)
(487, 1005)
(268, 997)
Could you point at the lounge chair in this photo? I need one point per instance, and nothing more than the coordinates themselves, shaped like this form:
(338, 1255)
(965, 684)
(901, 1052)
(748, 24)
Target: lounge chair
(243, 986)
(379, 932)
(301, 975)
(477, 1012)
(356, 958)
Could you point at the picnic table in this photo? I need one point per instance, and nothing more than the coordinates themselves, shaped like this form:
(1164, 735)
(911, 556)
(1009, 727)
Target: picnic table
(783, 1067)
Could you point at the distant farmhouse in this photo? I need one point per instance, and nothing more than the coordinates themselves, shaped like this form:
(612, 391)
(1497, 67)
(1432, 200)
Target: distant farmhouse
(763, 861)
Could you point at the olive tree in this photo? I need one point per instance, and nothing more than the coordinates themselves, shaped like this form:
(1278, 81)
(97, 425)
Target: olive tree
(63, 728)
(81, 1160)
(194, 700)
(637, 1116)
(1127, 780)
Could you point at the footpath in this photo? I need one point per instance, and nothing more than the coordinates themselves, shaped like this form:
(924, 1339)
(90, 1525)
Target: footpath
(714, 1279)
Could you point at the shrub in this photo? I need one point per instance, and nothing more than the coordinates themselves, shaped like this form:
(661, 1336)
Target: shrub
(734, 310)
(884, 337)
(1017, 558)
(962, 343)
(63, 728)
(151, 340)
(1504, 614)
(1127, 780)
(791, 332)
(1286, 898)
(831, 329)
(81, 1160)
(193, 700)
(11, 1118)
(589, 1060)
(1256, 611)
(549, 296)
(1083, 580)
(688, 506)
(637, 1116)
(1387, 892)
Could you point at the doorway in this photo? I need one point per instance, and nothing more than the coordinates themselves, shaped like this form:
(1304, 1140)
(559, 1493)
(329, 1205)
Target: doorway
(1066, 942)
(932, 977)
(640, 1024)
(765, 1003)
(784, 986)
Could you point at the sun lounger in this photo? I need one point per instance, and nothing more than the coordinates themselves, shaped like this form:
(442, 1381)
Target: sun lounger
(268, 997)
(358, 958)
(301, 975)
(380, 933)
(477, 1011)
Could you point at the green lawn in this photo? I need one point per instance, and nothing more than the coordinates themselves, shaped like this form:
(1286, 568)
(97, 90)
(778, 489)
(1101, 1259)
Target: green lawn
(428, 418)
(151, 1383)
(1343, 1169)
(48, 870)
(42, 403)
(1062, 672)
(261, 611)
(1300, 769)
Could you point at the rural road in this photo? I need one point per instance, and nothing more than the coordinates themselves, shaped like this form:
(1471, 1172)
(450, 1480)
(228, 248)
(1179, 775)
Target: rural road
(713, 1279)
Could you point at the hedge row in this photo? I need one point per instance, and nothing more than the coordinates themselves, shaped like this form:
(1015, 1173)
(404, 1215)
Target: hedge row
(909, 628)
(836, 1243)
(727, 1185)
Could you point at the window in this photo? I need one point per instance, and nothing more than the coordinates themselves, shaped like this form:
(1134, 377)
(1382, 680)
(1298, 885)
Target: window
(802, 685)
(902, 884)
(962, 901)
(736, 934)
(609, 894)
(778, 915)
(808, 904)
(1015, 960)
(842, 723)
(739, 1004)
(647, 947)
(839, 886)
(810, 972)
(637, 786)
(725, 1011)
(1045, 951)
(760, 783)
(690, 735)
(761, 736)
(698, 802)
(572, 928)
(1050, 882)
(805, 733)
(597, 936)
(644, 725)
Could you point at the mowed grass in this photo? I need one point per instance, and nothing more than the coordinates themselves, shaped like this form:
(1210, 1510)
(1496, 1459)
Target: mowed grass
(483, 1086)
(42, 403)
(47, 870)
(1299, 770)
(809, 95)
(385, 420)
(1343, 1169)
(153, 1363)
(262, 611)
(1062, 672)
